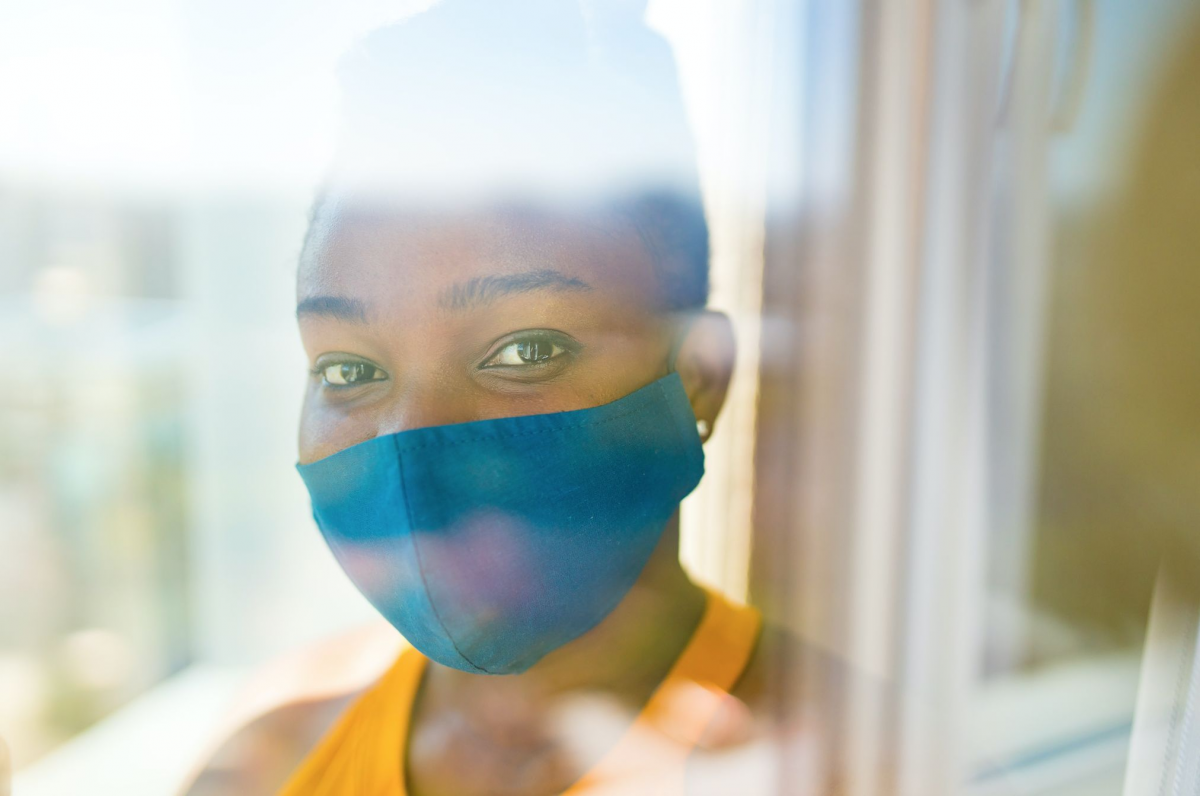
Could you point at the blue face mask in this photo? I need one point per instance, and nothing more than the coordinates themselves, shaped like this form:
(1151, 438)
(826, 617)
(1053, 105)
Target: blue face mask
(489, 544)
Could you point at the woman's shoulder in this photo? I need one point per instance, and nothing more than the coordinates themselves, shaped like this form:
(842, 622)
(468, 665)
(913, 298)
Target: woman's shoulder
(287, 706)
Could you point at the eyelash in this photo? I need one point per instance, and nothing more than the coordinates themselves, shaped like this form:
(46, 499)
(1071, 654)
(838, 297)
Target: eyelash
(558, 344)
(322, 369)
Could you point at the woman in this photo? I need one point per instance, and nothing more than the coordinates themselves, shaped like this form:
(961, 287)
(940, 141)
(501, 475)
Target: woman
(502, 297)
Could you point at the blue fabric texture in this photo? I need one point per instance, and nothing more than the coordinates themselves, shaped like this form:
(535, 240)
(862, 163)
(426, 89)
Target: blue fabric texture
(488, 544)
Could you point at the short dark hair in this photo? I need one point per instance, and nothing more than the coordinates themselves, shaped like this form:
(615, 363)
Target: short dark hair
(675, 232)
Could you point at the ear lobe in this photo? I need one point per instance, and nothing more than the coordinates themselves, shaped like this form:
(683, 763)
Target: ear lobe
(705, 360)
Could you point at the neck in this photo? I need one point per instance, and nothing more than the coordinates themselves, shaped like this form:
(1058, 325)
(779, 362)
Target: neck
(633, 648)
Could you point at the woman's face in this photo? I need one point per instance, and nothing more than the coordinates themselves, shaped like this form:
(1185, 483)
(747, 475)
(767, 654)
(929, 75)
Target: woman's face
(415, 320)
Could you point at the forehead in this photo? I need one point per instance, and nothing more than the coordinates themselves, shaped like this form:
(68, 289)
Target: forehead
(424, 258)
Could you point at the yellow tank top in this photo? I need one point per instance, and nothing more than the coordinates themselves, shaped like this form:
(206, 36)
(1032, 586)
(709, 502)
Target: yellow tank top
(361, 753)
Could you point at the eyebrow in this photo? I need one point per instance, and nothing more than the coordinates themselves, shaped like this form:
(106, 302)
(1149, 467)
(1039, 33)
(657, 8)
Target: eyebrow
(338, 307)
(484, 289)
(465, 295)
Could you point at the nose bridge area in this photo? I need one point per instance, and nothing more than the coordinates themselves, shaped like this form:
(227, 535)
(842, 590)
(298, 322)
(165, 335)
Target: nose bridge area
(421, 404)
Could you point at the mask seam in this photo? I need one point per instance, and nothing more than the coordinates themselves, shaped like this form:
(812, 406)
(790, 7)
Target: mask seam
(578, 426)
(412, 535)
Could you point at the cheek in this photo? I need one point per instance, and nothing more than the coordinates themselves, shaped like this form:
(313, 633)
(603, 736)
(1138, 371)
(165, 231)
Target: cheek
(324, 432)
(630, 358)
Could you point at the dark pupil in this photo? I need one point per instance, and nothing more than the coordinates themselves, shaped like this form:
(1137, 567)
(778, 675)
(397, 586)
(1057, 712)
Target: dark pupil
(357, 371)
(533, 351)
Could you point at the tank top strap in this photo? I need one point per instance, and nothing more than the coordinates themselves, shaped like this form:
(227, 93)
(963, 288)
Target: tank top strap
(362, 754)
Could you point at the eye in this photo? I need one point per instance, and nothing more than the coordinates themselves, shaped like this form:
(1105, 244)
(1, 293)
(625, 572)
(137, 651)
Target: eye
(531, 350)
(349, 373)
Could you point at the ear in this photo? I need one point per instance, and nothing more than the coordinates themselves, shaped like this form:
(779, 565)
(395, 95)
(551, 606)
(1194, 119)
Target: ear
(704, 361)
